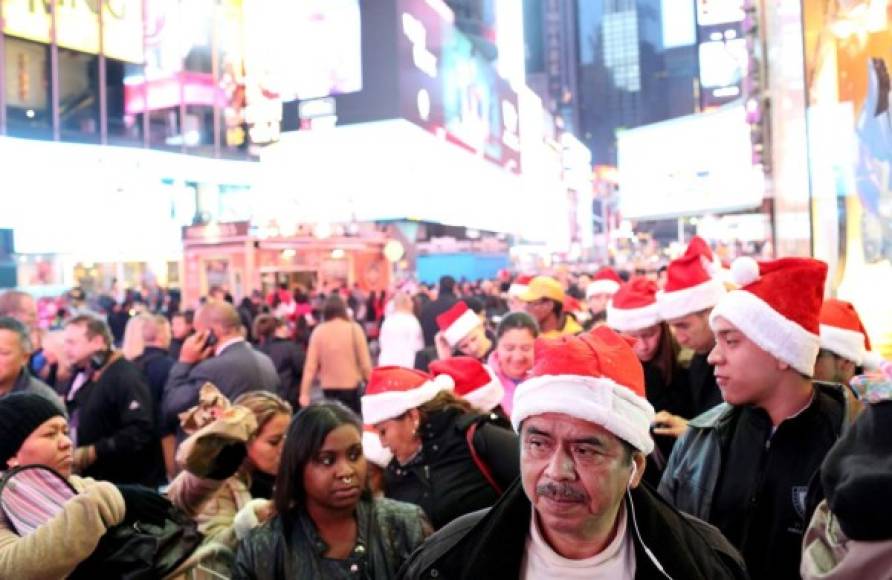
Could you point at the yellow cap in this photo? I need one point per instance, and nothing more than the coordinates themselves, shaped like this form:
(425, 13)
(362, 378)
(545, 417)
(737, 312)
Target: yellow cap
(543, 287)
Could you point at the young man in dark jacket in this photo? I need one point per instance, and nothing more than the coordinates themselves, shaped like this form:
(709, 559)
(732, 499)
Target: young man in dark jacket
(111, 409)
(745, 466)
(578, 510)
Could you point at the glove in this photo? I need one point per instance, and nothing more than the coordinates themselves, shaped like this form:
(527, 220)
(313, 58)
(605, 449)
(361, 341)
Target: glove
(143, 505)
(228, 461)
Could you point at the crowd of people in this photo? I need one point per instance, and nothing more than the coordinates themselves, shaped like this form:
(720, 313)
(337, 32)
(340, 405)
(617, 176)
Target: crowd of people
(702, 421)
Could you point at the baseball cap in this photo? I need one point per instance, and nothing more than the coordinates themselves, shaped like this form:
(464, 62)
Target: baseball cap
(543, 287)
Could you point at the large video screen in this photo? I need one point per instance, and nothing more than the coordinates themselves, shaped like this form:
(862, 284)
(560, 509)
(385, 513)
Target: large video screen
(722, 51)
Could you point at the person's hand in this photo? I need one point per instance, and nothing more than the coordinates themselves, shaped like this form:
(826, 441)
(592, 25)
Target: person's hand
(84, 457)
(303, 400)
(665, 423)
(195, 348)
(143, 504)
(444, 349)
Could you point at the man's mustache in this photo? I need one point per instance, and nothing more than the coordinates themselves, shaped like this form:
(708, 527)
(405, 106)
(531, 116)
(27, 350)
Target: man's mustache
(559, 491)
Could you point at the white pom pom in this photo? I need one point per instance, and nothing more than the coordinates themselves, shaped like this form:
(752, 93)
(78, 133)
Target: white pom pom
(445, 382)
(744, 270)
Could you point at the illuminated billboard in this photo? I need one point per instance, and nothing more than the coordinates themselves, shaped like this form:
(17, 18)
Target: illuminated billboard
(706, 170)
(447, 88)
(722, 51)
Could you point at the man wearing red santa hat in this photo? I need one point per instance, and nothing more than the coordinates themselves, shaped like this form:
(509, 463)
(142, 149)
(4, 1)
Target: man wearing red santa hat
(690, 293)
(578, 510)
(745, 465)
(605, 283)
(845, 347)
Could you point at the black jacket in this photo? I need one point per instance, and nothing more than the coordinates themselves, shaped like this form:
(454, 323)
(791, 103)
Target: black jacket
(288, 359)
(284, 549)
(704, 390)
(429, 314)
(443, 479)
(115, 414)
(155, 364)
(490, 543)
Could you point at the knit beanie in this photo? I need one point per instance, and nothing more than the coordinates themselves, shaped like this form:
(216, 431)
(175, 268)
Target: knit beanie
(20, 415)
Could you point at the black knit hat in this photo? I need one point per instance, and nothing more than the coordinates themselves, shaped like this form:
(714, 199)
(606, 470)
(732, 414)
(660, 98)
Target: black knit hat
(20, 415)
(857, 475)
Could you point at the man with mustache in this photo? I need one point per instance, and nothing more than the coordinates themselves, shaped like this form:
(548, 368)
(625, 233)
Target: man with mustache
(578, 510)
(745, 465)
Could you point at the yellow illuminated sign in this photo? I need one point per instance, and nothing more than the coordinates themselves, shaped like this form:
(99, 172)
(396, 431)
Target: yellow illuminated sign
(77, 25)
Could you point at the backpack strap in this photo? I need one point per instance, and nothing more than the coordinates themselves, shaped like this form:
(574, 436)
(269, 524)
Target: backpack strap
(478, 461)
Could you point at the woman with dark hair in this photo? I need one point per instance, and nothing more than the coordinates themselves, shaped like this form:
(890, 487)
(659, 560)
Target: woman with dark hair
(633, 311)
(327, 525)
(271, 336)
(513, 357)
(448, 459)
(338, 354)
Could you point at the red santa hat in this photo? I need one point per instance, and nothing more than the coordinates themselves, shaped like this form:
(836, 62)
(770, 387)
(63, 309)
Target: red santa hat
(777, 307)
(595, 377)
(474, 381)
(842, 332)
(690, 285)
(373, 449)
(457, 322)
(635, 306)
(605, 281)
(393, 390)
(519, 286)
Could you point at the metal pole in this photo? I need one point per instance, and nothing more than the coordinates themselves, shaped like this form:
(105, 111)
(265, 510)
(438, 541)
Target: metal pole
(2, 74)
(215, 73)
(103, 81)
(54, 75)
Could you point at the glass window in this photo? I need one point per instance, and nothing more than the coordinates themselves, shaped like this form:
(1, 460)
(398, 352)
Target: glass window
(164, 128)
(78, 96)
(198, 129)
(27, 87)
(125, 91)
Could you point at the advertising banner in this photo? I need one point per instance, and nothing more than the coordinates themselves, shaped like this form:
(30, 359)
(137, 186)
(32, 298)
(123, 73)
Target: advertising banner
(848, 55)
(447, 88)
(722, 51)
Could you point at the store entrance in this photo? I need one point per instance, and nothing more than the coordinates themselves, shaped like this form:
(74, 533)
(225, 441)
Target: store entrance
(305, 280)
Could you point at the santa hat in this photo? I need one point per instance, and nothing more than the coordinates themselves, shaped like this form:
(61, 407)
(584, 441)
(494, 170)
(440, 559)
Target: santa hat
(393, 390)
(595, 377)
(605, 281)
(457, 322)
(474, 381)
(690, 285)
(519, 286)
(842, 332)
(777, 307)
(373, 449)
(635, 306)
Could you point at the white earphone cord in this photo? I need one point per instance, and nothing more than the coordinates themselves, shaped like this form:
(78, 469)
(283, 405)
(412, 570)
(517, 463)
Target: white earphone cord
(638, 532)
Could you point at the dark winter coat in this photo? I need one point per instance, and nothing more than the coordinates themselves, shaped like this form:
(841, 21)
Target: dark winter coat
(490, 543)
(283, 549)
(443, 478)
(115, 414)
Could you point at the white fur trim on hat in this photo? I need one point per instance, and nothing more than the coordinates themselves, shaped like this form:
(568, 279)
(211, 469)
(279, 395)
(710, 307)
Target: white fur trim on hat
(694, 299)
(849, 344)
(623, 319)
(374, 451)
(459, 329)
(601, 287)
(596, 399)
(769, 329)
(487, 397)
(391, 404)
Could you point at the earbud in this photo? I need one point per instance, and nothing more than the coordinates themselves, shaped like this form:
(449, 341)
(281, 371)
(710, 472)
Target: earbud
(632, 475)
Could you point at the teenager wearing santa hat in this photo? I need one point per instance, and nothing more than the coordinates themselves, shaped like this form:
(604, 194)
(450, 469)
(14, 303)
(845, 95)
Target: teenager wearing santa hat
(579, 510)
(685, 302)
(462, 332)
(605, 283)
(845, 346)
(426, 427)
(745, 465)
(634, 311)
